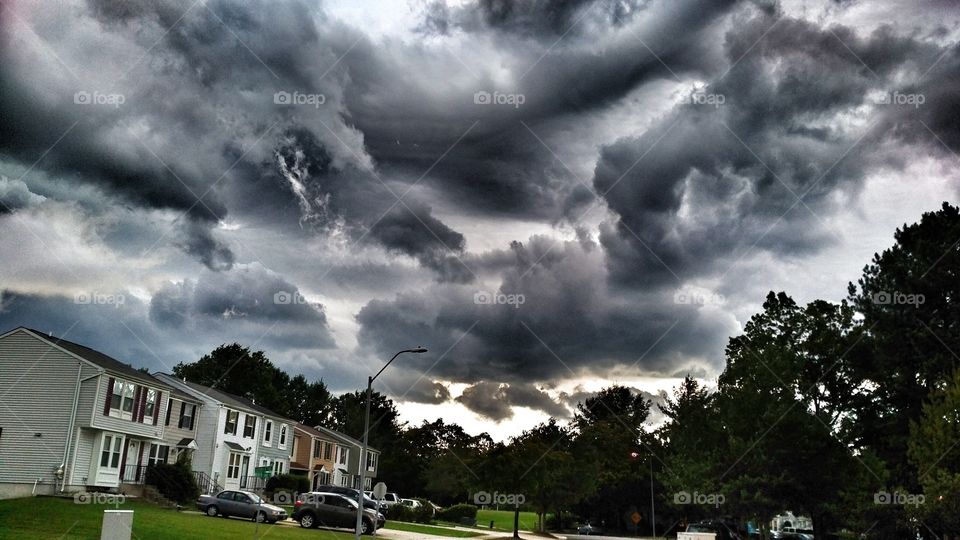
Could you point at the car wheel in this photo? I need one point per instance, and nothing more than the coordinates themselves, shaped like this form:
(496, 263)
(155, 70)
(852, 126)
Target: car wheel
(260, 517)
(212, 511)
(307, 521)
(367, 527)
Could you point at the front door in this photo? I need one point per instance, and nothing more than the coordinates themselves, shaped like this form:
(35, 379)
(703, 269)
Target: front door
(130, 469)
(244, 472)
(108, 460)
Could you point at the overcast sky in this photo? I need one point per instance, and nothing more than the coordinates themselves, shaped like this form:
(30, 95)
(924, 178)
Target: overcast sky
(550, 196)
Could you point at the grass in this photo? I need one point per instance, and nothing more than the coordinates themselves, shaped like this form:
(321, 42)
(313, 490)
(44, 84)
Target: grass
(50, 518)
(429, 529)
(503, 520)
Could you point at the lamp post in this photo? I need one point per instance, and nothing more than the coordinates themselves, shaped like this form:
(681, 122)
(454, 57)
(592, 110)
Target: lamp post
(362, 461)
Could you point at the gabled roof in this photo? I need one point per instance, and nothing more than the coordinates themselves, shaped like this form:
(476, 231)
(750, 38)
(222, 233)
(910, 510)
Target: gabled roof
(97, 358)
(228, 399)
(345, 439)
(310, 431)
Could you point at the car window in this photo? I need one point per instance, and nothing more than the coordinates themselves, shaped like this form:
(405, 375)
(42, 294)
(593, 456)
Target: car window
(225, 495)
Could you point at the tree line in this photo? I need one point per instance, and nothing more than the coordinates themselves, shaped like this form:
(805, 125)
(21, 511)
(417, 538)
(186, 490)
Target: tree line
(845, 412)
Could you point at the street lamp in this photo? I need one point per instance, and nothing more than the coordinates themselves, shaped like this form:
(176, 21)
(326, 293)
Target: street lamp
(362, 461)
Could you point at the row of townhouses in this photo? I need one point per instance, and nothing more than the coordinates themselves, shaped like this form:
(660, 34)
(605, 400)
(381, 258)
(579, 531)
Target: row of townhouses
(74, 419)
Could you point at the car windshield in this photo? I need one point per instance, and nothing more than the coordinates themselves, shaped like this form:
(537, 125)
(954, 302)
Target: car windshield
(254, 498)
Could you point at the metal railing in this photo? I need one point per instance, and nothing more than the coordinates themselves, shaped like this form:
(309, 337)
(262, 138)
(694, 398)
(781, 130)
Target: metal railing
(206, 484)
(134, 474)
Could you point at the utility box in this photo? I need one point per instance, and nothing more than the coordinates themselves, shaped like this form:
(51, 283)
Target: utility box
(696, 536)
(117, 525)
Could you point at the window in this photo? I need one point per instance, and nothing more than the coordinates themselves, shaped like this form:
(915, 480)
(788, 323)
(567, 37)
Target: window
(316, 448)
(342, 453)
(232, 418)
(149, 407)
(158, 454)
(187, 411)
(282, 441)
(371, 461)
(121, 400)
(345, 480)
(110, 451)
(166, 421)
(249, 426)
(233, 466)
(367, 483)
(328, 451)
(267, 432)
(277, 467)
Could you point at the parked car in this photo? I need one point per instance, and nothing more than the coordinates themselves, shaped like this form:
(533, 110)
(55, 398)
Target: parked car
(333, 510)
(241, 504)
(411, 503)
(588, 529)
(368, 502)
(722, 530)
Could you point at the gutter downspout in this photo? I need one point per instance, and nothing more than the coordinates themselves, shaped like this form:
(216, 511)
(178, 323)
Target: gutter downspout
(73, 422)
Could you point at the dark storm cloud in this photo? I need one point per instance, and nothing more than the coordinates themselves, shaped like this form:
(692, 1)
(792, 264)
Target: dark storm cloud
(569, 323)
(713, 180)
(14, 194)
(496, 400)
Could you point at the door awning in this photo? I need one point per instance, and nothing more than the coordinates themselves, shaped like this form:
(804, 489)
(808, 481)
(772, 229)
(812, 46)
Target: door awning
(187, 443)
(235, 447)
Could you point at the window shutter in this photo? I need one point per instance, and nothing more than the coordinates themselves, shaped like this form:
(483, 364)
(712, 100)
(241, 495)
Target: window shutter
(136, 404)
(143, 403)
(183, 405)
(106, 404)
(169, 408)
(156, 407)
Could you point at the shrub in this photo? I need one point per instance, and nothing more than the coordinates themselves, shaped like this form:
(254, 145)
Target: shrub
(458, 512)
(399, 512)
(424, 514)
(290, 483)
(174, 481)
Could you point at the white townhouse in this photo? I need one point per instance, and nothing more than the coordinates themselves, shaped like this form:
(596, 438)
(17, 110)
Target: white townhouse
(72, 418)
(234, 437)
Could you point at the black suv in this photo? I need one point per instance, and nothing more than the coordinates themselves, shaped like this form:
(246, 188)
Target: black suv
(352, 493)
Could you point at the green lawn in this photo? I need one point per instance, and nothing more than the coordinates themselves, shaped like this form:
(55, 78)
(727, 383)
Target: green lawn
(429, 529)
(49, 518)
(503, 520)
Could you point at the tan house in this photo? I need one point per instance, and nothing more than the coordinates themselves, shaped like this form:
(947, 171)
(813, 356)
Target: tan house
(314, 455)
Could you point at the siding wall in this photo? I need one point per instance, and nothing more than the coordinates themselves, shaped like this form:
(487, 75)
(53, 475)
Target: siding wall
(37, 382)
(84, 457)
(273, 452)
(173, 434)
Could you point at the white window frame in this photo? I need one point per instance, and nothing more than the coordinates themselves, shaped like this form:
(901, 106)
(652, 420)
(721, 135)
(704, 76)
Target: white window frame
(277, 467)
(149, 406)
(193, 411)
(123, 392)
(371, 461)
(282, 437)
(233, 466)
(342, 455)
(267, 432)
(247, 419)
(111, 447)
(154, 456)
(226, 422)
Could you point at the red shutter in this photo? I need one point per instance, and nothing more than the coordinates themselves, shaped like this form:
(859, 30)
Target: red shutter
(136, 403)
(143, 403)
(106, 404)
(156, 408)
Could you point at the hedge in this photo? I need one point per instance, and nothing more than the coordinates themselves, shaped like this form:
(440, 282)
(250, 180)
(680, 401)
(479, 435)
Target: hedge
(174, 481)
(458, 512)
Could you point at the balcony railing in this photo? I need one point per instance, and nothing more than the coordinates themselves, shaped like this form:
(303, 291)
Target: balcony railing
(134, 474)
(253, 483)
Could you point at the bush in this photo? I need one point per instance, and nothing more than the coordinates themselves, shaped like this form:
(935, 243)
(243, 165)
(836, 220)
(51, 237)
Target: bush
(458, 512)
(174, 481)
(290, 483)
(399, 512)
(424, 514)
